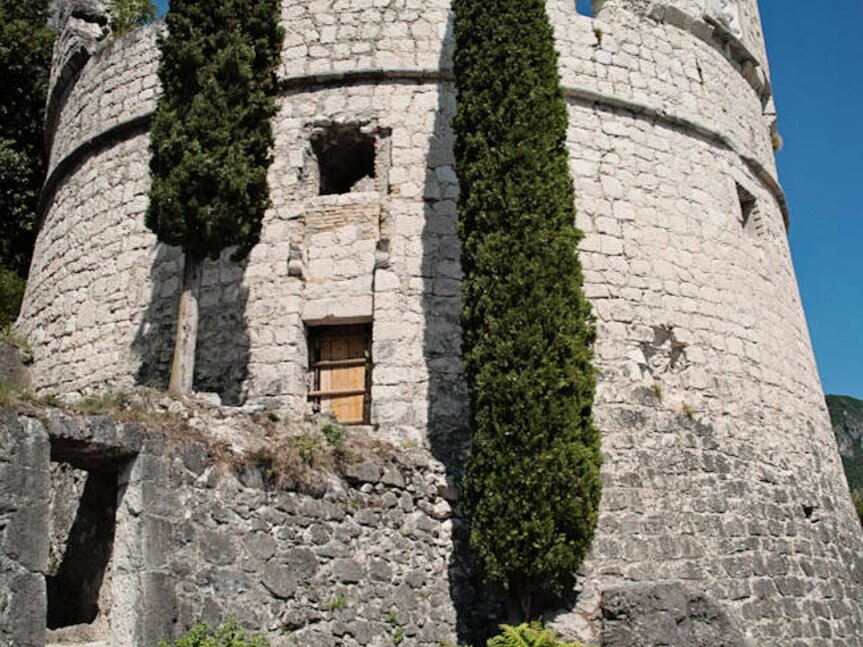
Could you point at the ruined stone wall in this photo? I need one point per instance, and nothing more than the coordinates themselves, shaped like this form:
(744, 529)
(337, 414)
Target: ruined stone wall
(721, 472)
(361, 562)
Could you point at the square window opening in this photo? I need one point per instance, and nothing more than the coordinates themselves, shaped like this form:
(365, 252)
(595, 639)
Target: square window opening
(340, 359)
(346, 159)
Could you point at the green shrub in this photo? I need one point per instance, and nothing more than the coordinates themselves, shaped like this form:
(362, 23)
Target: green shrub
(334, 434)
(532, 484)
(128, 14)
(857, 496)
(308, 447)
(229, 634)
(26, 45)
(11, 294)
(528, 635)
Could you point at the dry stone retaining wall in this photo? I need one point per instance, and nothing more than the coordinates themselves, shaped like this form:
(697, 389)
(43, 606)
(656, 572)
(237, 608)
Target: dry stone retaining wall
(363, 560)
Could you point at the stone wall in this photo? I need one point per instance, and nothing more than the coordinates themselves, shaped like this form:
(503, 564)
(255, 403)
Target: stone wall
(720, 469)
(366, 558)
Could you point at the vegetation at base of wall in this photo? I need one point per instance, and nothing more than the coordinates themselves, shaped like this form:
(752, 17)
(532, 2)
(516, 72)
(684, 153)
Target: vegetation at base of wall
(128, 14)
(11, 294)
(12, 337)
(26, 44)
(857, 497)
(532, 485)
(528, 635)
(229, 634)
(334, 433)
(298, 462)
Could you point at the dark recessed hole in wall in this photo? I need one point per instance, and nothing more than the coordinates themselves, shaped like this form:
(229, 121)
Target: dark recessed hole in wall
(74, 584)
(346, 159)
(747, 205)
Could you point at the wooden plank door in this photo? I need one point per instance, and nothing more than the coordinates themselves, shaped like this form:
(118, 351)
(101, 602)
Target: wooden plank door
(343, 370)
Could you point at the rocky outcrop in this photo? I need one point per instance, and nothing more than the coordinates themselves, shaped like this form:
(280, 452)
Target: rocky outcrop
(656, 615)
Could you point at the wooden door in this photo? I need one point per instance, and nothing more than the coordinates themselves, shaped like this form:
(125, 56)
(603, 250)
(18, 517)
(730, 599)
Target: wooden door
(342, 374)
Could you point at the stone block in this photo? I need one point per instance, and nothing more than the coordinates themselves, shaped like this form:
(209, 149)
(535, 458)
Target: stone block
(653, 615)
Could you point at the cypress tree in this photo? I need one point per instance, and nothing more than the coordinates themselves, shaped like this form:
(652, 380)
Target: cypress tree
(25, 60)
(211, 141)
(532, 483)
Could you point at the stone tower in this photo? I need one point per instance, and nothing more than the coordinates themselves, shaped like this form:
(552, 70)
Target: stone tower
(722, 478)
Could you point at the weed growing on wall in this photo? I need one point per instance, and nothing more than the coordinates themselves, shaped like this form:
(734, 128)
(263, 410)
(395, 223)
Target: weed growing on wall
(128, 14)
(532, 483)
(528, 635)
(229, 634)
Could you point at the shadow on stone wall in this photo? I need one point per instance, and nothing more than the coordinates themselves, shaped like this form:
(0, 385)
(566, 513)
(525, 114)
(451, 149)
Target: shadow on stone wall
(479, 609)
(222, 355)
(73, 592)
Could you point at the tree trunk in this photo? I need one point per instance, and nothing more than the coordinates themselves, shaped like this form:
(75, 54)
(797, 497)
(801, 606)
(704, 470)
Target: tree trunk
(517, 612)
(183, 366)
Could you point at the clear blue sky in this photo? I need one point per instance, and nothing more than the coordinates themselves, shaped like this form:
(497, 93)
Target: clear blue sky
(818, 85)
(815, 59)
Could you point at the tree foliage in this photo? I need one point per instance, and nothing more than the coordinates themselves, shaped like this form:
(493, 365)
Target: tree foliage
(229, 634)
(211, 136)
(532, 483)
(128, 14)
(857, 497)
(528, 635)
(25, 60)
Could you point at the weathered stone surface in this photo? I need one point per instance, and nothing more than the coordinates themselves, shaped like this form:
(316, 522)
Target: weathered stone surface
(720, 468)
(654, 615)
(13, 370)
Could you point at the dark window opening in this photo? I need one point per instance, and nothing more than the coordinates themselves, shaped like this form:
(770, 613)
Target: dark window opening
(346, 160)
(747, 205)
(750, 217)
(77, 566)
(341, 364)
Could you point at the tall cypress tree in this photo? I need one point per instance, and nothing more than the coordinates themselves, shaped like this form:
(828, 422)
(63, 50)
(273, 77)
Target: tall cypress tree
(211, 141)
(532, 484)
(25, 61)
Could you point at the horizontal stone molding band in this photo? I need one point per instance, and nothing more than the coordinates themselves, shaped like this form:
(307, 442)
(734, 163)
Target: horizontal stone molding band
(371, 75)
(660, 116)
(138, 124)
(99, 142)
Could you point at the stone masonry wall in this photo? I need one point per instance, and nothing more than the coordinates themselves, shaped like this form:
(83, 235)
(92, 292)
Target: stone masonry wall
(362, 562)
(720, 472)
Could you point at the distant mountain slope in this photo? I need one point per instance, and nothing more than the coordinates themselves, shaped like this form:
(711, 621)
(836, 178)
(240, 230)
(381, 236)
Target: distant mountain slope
(846, 415)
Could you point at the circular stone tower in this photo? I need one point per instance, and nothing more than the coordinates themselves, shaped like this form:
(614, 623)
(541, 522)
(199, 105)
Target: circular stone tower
(723, 486)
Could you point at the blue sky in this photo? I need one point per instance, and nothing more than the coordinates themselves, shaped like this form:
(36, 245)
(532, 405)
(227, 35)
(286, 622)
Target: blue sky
(818, 86)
